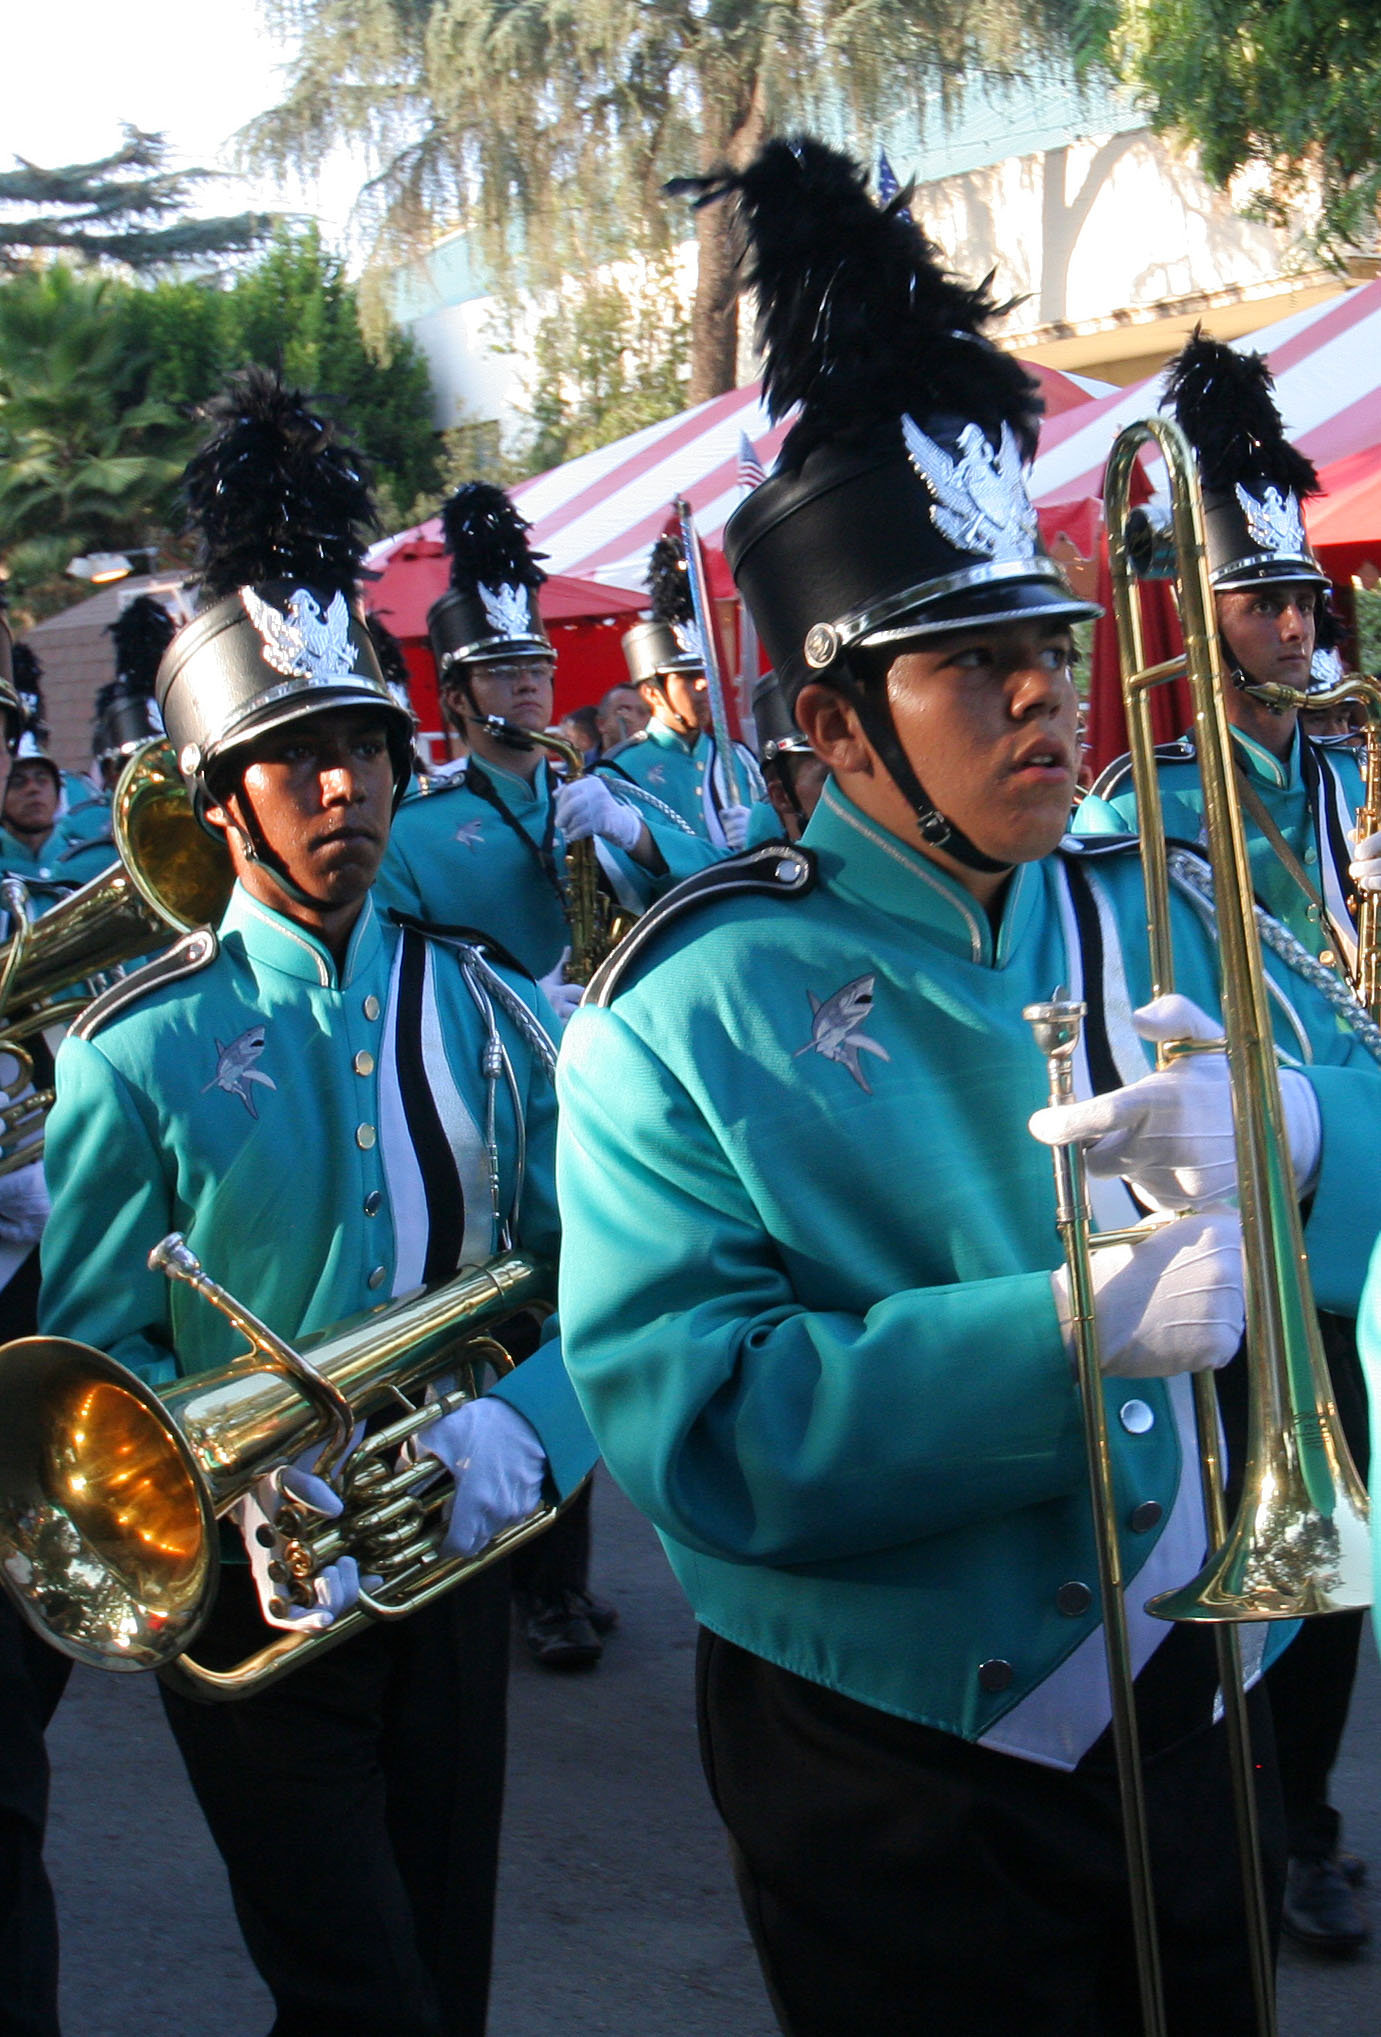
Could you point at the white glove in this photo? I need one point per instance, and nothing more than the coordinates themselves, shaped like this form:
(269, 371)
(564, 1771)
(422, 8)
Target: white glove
(23, 1205)
(587, 807)
(734, 821)
(1170, 1303)
(334, 1589)
(1170, 1135)
(563, 997)
(1365, 868)
(497, 1461)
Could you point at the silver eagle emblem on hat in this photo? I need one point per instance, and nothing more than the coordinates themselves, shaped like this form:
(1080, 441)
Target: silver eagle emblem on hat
(980, 498)
(1275, 521)
(506, 610)
(687, 635)
(303, 643)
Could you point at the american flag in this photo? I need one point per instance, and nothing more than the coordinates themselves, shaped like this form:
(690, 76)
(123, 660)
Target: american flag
(750, 467)
(888, 187)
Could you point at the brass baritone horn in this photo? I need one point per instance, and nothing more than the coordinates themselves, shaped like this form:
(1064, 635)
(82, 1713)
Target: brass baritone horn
(110, 1492)
(171, 876)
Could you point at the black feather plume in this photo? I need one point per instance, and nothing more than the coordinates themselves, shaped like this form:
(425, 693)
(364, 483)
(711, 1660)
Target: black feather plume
(389, 652)
(487, 540)
(274, 494)
(668, 582)
(142, 633)
(858, 319)
(1222, 400)
(27, 669)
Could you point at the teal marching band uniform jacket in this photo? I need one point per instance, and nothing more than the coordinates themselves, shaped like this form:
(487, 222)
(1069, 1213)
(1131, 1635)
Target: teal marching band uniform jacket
(1311, 794)
(806, 1286)
(685, 775)
(454, 859)
(319, 1137)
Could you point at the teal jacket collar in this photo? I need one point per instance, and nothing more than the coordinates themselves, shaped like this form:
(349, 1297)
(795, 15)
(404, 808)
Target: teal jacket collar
(874, 870)
(1280, 773)
(668, 739)
(272, 941)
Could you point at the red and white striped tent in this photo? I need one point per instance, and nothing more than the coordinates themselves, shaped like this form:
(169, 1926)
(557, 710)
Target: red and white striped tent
(598, 515)
(1327, 367)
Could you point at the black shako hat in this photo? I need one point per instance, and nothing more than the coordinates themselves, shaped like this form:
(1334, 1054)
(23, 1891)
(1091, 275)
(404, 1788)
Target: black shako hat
(126, 713)
(897, 508)
(1252, 479)
(490, 610)
(669, 641)
(284, 513)
(774, 722)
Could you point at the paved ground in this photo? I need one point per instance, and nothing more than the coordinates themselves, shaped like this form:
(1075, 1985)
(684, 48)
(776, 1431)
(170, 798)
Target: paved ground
(616, 1912)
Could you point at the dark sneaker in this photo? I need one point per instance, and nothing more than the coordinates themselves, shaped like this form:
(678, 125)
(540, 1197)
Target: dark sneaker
(1321, 1910)
(559, 1631)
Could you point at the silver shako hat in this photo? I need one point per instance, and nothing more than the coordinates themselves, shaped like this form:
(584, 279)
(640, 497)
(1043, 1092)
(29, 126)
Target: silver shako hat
(1252, 479)
(897, 509)
(284, 513)
(490, 609)
(669, 641)
(126, 714)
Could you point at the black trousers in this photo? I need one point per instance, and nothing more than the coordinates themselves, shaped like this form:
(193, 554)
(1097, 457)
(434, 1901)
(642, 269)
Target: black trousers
(559, 1559)
(356, 1805)
(901, 1883)
(33, 1677)
(1311, 1685)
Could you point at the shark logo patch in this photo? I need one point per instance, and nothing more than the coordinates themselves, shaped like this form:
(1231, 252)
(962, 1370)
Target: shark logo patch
(235, 1068)
(470, 834)
(657, 775)
(834, 1031)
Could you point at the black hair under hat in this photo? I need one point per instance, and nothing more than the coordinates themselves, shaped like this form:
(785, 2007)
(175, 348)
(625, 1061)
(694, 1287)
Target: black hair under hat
(490, 609)
(284, 512)
(897, 508)
(1252, 479)
(670, 640)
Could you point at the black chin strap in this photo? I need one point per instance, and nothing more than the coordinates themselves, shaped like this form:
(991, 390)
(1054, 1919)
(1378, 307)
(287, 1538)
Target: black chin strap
(935, 830)
(257, 850)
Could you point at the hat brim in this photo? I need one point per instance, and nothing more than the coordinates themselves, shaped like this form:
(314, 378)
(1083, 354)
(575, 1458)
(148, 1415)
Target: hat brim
(1003, 601)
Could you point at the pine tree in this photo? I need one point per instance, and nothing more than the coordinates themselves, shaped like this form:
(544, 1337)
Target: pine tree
(127, 208)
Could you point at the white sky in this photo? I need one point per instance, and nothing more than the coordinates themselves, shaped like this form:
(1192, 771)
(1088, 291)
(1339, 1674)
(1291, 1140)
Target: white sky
(194, 70)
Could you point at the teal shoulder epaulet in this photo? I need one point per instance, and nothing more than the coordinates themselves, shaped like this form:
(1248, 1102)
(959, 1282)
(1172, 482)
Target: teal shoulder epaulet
(775, 870)
(629, 743)
(428, 788)
(1114, 776)
(184, 958)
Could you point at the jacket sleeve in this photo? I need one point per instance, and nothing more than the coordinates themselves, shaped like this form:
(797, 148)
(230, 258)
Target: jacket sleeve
(540, 1388)
(110, 1196)
(743, 1423)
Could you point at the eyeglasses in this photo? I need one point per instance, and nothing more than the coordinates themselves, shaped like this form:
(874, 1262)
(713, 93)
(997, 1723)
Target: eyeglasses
(513, 671)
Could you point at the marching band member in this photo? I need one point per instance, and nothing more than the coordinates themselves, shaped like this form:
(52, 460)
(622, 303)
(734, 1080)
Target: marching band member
(1299, 797)
(125, 715)
(334, 1109)
(673, 759)
(832, 1357)
(487, 847)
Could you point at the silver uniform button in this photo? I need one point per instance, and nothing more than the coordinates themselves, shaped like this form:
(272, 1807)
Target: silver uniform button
(365, 1135)
(364, 1063)
(1073, 1599)
(376, 1278)
(1135, 1417)
(371, 1006)
(995, 1675)
(1146, 1516)
(373, 1203)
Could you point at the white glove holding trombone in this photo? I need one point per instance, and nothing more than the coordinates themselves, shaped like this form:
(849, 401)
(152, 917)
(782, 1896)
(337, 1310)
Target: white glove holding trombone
(1171, 1298)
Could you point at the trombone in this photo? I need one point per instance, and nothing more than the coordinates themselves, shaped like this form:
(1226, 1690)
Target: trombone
(1299, 1544)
